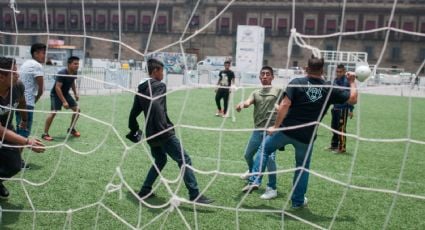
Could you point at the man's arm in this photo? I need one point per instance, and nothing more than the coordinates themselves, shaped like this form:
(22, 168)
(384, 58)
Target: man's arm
(353, 88)
(58, 89)
(40, 82)
(16, 139)
(24, 115)
(135, 111)
(74, 89)
(281, 114)
(244, 104)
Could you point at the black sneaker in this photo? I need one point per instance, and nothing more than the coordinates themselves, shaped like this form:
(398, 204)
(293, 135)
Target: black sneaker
(24, 165)
(202, 200)
(135, 136)
(4, 193)
(146, 195)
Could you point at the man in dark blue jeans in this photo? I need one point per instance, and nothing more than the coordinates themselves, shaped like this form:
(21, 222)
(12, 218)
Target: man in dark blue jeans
(160, 133)
(305, 102)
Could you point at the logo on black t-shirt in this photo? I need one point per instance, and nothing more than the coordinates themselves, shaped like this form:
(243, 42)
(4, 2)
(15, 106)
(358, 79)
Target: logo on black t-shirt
(313, 93)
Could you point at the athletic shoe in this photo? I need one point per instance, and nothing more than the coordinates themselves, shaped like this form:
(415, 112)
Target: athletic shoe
(339, 151)
(4, 193)
(250, 187)
(219, 113)
(135, 136)
(304, 205)
(146, 195)
(331, 148)
(47, 137)
(74, 132)
(202, 200)
(269, 194)
(225, 115)
(245, 176)
(24, 165)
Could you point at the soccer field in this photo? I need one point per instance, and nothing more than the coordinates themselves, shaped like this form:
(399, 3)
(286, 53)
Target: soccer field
(75, 184)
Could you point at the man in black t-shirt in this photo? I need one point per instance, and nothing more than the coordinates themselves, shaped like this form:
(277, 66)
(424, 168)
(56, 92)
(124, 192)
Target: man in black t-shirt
(225, 81)
(59, 96)
(299, 114)
(10, 157)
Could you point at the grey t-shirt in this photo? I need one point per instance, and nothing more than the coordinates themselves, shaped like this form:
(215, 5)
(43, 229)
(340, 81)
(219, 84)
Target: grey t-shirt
(28, 72)
(264, 105)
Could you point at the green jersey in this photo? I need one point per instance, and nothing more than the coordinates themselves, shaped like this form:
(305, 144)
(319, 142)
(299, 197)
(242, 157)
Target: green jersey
(264, 105)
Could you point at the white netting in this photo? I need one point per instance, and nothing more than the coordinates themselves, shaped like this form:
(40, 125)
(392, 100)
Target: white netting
(92, 182)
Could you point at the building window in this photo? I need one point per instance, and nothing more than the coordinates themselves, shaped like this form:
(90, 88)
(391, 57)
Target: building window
(161, 23)
(408, 26)
(60, 20)
(224, 25)
(309, 26)
(296, 50)
(282, 26)
(100, 21)
(370, 25)
(395, 54)
(73, 22)
(268, 25)
(49, 21)
(350, 25)
(87, 19)
(34, 39)
(115, 22)
(146, 23)
(34, 21)
(131, 22)
(423, 27)
(20, 20)
(369, 51)
(330, 26)
(329, 47)
(267, 48)
(253, 22)
(194, 23)
(421, 55)
(8, 20)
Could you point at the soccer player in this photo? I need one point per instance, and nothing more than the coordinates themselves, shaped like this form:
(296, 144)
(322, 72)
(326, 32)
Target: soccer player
(31, 74)
(59, 96)
(225, 81)
(10, 157)
(160, 133)
(301, 106)
(265, 101)
(340, 113)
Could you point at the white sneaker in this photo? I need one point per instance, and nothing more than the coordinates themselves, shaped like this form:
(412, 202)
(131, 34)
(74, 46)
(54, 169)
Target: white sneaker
(245, 176)
(269, 194)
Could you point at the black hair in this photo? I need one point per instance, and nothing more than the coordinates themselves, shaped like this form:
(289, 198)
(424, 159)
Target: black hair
(6, 65)
(340, 66)
(154, 64)
(266, 67)
(73, 58)
(37, 47)
(315, 64)
(227, 62)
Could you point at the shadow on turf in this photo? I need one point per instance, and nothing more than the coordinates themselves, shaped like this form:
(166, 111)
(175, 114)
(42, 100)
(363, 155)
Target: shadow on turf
(157, 201)
(9, 218)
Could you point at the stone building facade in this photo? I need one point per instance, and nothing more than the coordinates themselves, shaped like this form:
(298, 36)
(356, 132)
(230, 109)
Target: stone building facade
(132, 22)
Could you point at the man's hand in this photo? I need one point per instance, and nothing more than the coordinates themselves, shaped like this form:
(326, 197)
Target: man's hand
(271, 130)
(66, 105)
(350, 115)
(23, 125)
(77, 97)
(239, 107)
(35, 145)
(351, 77)
(135, 136)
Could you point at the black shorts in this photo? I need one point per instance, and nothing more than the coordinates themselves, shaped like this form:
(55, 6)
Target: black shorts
(10, 161)
(56, 103)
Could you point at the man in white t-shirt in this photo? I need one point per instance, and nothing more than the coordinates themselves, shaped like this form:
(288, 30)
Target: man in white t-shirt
(31, 74)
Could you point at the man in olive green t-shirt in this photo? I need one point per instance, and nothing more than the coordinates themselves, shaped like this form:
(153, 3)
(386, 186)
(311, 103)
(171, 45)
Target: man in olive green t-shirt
(264, 101)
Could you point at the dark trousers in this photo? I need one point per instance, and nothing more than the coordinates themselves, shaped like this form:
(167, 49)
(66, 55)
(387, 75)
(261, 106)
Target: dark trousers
(10, 162)
(222, 93)
(175, 150)
(339, 122)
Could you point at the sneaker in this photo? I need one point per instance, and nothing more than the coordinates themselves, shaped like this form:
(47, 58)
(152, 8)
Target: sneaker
(225, 115)
(146, 195)
(4, 193)
(74, 132)
(245, 176)
(202, 200)
(219, 113)
(269, 194)
(304, 205)
(331, 148)
(24, 165)
(339, 151)
(250, 187)
(47, 137)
